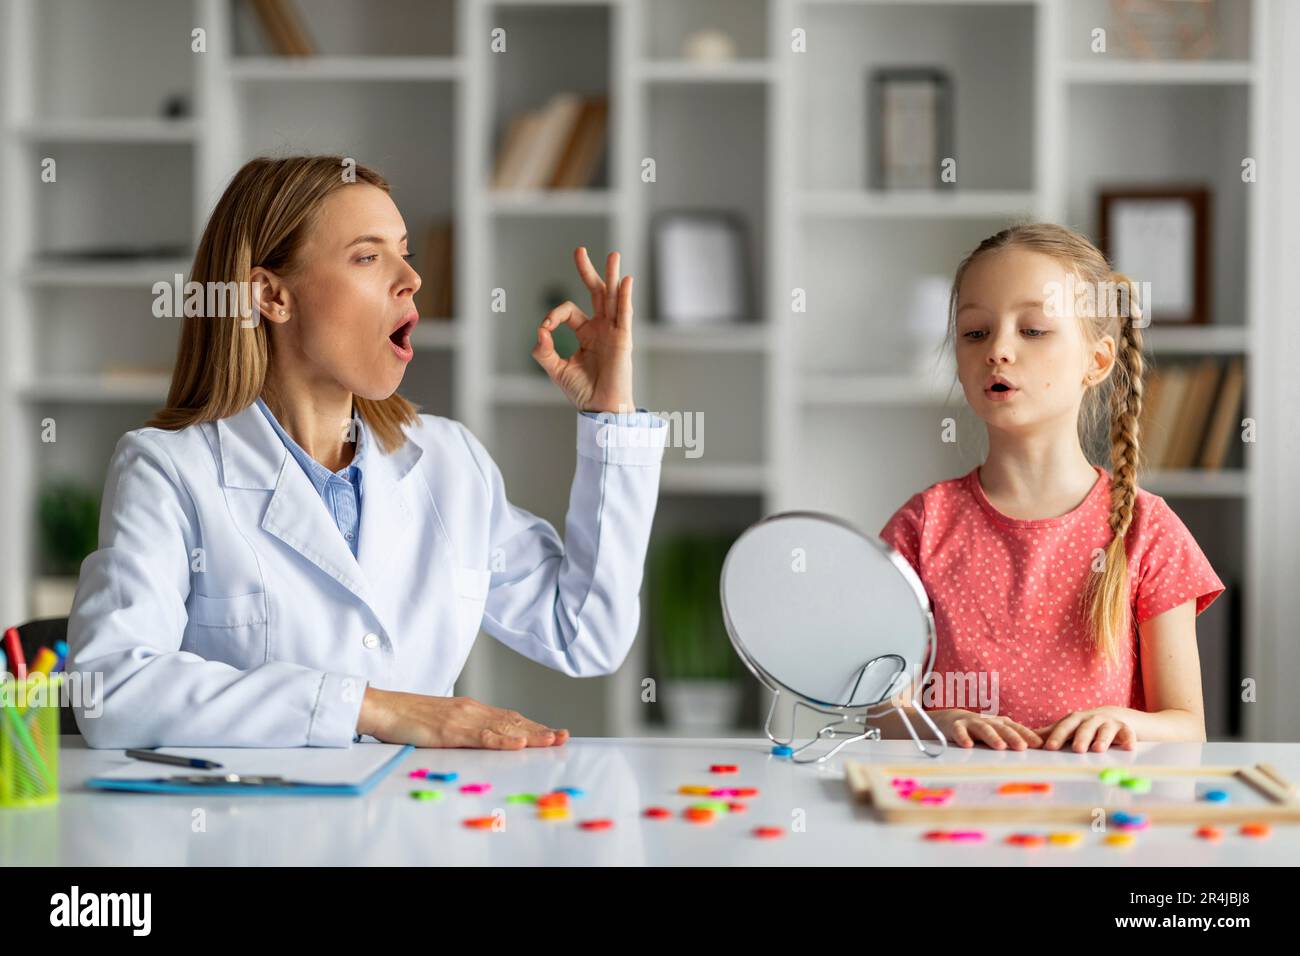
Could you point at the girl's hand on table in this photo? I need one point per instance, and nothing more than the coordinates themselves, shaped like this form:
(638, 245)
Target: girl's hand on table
(965, 728)
(1093, 729)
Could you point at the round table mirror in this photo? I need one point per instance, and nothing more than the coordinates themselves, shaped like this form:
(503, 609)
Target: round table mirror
(831, 617)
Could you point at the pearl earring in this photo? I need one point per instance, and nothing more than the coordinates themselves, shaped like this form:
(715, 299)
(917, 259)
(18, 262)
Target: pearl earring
(282, 311)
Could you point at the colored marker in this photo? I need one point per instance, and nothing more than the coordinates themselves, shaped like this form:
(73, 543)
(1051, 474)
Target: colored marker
(60, 648)
(44, 662)
(14, 648)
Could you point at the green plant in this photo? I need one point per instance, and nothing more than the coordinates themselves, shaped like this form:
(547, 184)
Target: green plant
(68, 518)
(689, 636)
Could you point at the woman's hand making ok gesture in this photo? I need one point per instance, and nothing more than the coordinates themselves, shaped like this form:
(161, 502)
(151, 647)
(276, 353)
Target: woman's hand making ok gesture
(598, 376)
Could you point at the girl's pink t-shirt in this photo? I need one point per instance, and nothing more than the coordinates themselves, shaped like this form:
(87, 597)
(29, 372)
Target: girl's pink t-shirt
(1005, 593)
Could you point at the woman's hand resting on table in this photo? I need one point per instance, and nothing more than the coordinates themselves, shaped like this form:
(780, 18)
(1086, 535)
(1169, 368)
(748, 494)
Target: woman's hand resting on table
(400, 718)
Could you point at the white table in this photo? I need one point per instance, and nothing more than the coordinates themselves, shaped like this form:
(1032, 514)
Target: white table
(620, 777)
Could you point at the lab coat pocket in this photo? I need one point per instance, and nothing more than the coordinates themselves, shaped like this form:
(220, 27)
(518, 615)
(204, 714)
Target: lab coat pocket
(229, 629)
(472, 586)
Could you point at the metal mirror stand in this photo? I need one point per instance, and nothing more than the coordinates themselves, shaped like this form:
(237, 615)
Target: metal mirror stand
(855, 717)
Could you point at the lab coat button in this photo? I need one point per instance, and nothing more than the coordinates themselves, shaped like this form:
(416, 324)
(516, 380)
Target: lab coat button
(371, 641)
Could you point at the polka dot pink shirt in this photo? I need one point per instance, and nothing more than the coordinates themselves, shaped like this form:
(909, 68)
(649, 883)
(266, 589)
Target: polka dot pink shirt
(1005, 594)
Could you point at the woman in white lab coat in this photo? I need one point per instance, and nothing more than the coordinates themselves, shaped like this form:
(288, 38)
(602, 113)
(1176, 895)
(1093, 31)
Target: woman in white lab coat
(291, 556)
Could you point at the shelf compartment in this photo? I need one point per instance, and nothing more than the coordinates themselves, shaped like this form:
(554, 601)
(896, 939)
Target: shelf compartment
(130, 57)
(87, 331)
(672, 23)
(1230, 23)
(550, 50)
(126, 196)
(715, 405)
(710, 149)
(993, 109)
(1191, 135)
(531, 259)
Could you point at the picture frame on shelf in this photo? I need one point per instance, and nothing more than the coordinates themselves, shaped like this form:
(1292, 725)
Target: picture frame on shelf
(1160, 235)
(701, 271)
(911, 127)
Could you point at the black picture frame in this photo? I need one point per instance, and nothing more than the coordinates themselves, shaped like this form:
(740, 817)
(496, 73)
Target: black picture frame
(922, 170)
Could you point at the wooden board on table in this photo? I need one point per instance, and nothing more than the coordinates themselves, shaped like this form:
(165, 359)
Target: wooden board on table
(1256, 792)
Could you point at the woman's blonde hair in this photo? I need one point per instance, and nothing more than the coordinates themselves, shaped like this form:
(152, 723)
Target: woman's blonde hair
(262, 219)
(1105, 598)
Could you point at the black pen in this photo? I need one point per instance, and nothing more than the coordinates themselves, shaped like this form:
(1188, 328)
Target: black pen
(154, 757)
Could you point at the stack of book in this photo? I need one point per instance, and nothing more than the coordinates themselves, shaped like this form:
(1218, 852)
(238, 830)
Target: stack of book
(1190, 414)
(559, 146)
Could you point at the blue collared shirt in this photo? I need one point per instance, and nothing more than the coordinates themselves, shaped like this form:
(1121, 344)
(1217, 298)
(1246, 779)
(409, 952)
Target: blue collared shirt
(340, 490)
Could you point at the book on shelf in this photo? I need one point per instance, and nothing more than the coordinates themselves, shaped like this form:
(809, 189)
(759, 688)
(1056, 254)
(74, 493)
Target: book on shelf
(437, 264)
(1190, 424)
(284, 28)
(582, 154)
(518, 136)
(1223, 424)
(558, 120)
(558, 146)
(1189, 414)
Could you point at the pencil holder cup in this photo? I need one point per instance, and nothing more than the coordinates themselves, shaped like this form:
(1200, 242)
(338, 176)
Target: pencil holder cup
(29, 741)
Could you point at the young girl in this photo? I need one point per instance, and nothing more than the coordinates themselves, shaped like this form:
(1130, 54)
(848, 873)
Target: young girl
(1068, 593)
(291, 556)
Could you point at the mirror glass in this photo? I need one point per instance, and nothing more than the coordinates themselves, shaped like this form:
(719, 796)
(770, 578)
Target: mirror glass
(817, 608)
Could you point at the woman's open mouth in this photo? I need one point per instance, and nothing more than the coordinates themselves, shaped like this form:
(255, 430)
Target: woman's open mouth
(400, 338)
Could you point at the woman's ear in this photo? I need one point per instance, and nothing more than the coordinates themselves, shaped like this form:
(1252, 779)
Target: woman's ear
(271, 297)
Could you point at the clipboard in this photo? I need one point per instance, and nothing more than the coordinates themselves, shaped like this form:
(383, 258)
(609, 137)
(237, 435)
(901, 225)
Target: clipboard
(295, 772)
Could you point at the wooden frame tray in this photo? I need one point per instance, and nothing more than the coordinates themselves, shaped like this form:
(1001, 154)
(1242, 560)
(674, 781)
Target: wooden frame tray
(1256, 792)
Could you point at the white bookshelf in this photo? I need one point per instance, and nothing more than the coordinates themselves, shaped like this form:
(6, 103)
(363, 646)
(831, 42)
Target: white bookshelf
(814, 410)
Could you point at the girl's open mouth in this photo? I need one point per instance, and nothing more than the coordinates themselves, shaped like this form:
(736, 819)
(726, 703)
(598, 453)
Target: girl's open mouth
(1000, 392)
(400, 340)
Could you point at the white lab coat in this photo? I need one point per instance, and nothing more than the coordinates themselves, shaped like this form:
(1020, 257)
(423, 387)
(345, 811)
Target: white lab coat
(224, 607)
